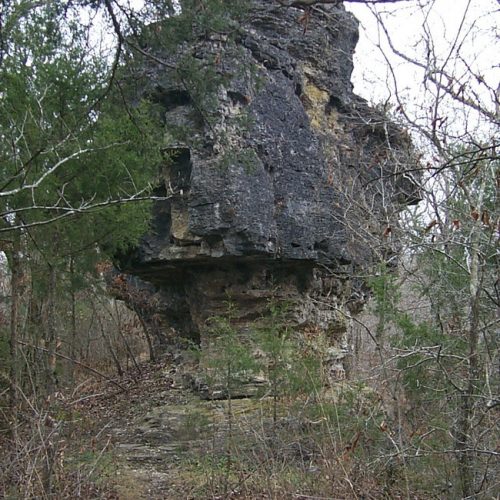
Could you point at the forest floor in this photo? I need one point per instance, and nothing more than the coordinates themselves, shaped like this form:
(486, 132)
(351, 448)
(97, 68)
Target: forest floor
(159, 440)
(140, 437)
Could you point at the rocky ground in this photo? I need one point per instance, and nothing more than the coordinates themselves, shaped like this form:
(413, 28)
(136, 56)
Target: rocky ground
(143, 432)
(159, 440)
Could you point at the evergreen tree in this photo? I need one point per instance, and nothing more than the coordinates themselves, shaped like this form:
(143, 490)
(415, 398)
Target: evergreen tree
(76, 162)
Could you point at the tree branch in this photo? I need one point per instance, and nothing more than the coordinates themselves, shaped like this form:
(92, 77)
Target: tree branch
(310, 3)
(79, 363)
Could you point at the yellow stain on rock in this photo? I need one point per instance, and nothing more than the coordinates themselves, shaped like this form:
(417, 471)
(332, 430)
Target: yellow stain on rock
(180, 223)
(323, 118)
(315, 101)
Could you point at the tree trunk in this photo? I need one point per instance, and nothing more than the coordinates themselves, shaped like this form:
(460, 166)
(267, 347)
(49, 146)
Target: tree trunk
(105, 337)
(465, 427)
(51, 334)
(122, 336)
(15, 294)
(72, 347)
(152, 356)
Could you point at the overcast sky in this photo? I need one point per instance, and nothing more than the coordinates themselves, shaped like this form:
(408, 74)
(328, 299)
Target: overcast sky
(473, 25)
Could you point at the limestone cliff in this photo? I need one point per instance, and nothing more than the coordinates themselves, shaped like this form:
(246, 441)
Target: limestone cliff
(280, 183)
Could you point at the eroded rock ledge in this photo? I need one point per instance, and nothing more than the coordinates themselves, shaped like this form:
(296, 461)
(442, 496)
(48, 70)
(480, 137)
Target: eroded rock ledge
(280, 187)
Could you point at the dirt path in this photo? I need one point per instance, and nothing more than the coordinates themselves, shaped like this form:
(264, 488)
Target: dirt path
(160, 437)
(159, 440)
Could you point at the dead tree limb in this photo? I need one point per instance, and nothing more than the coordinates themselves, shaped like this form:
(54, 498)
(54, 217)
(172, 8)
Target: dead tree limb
(79, 363)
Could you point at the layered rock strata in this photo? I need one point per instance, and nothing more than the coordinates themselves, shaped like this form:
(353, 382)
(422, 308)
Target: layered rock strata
(281, 183)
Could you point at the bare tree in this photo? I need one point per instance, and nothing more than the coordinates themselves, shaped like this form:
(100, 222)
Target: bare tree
(450, 239)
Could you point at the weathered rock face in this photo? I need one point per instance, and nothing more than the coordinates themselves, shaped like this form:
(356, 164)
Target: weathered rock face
(280, 186)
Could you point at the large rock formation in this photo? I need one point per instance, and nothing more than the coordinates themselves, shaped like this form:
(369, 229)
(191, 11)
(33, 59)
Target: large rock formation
(281, 182)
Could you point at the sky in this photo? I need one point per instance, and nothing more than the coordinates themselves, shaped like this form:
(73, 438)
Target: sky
(469, 28)
(465, 37)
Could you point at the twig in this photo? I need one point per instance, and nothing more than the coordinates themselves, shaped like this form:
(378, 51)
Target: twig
(71, 403)
(79, 363)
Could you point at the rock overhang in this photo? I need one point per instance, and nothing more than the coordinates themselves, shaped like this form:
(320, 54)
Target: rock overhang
(263, 175)
(272, 188)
